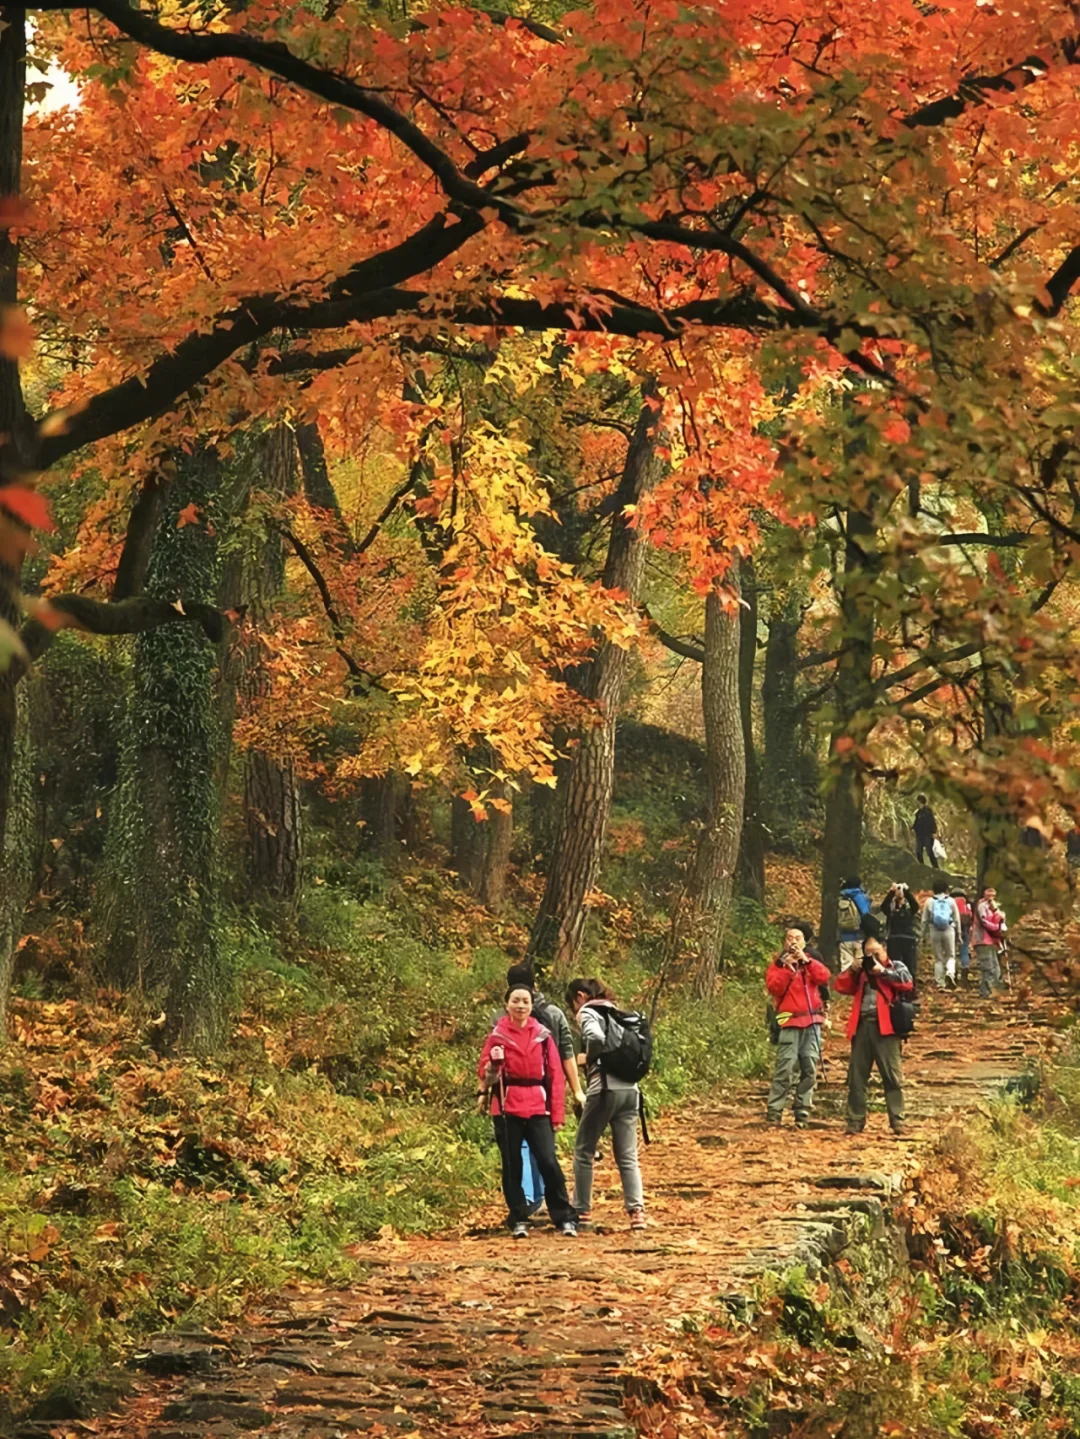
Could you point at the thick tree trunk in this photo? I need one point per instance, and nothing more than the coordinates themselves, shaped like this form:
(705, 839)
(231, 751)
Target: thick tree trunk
(20, 853)
(752, 844)
(783, 777)
(12, 462)
(855, 719)
(318, 488)
(586, 786)
(386, 806)
(480, 849)
(162, 885)
(274, 822)
(273, 810)
(711, 881)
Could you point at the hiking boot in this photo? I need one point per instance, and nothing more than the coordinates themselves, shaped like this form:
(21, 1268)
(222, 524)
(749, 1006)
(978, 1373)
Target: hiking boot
(774, 1122)
(584, 1216)
(801, 1122)
(851, 1128)
(569, 1228)
(897, 1126)
(520, 1230)
(637, 1219)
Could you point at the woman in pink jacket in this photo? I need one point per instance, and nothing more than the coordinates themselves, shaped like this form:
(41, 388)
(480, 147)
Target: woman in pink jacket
(521, 1070)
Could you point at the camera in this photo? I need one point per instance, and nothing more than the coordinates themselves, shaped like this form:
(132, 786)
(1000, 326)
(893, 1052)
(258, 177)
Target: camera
(868, 963)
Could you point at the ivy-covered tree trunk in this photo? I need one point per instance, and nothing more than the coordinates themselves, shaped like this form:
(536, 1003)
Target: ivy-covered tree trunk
(273, 810)
(712, 878)
(855, 717)
(752, 842)
(162, 887)
(586, 785)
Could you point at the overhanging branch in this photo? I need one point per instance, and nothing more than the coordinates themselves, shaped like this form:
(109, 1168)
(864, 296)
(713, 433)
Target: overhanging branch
(195, 47)
(125, 617)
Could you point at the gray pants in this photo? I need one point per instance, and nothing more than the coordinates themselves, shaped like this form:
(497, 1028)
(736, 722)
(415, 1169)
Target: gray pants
(986, 956)
(619, 1109)
(870, 1047)
(943, 948)
(797, 1056)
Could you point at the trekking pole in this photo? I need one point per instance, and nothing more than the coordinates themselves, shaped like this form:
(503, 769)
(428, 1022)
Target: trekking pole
(1008, 966)
(823, 1068)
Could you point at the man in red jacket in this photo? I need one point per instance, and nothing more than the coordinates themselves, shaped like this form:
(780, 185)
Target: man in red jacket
(874, 984)
(793, 980)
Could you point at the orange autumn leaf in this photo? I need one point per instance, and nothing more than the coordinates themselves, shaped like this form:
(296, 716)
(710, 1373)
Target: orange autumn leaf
(16, 333)
(28, 506)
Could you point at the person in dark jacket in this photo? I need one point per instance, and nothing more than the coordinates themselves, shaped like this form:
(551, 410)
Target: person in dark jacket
(925, 826)
(874, 985)
(794, 981)
(901, 911)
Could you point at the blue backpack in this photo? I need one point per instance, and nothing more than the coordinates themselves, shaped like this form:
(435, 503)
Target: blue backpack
(941, 912)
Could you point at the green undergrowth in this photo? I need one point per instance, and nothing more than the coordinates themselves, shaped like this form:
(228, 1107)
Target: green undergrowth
(961, 1318)
(140, 1191)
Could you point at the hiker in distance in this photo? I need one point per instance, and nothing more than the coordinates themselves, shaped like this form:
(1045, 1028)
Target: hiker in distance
(988, 934)
(967, 919)
(942, 932)
(852, 909)
(925, 826)
(618, 1051)
(875, 984)
(901, 911)
(794, 981)
(524, 1089)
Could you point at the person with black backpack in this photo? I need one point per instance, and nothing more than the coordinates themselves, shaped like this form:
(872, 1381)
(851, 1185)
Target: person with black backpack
(881, 1016)
(618, 1053)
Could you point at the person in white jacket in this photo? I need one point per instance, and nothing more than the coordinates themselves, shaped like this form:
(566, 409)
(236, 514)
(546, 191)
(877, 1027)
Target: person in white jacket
(941, 933)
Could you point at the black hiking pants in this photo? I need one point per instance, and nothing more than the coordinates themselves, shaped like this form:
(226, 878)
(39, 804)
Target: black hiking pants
(924, 844)
(538, 1134)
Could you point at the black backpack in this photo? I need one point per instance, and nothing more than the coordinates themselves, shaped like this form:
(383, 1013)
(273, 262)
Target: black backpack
(628, 1058)
(902, 1012)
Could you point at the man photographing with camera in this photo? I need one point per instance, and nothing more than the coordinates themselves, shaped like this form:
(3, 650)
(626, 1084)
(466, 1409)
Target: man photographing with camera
(794, 981)
(879, 1015)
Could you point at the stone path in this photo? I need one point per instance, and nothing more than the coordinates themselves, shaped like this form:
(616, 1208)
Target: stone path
(472, 1334)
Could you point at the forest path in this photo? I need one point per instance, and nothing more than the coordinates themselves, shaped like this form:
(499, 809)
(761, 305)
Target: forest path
(472, 1334)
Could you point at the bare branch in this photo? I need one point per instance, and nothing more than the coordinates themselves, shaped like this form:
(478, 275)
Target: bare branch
(933, 659)
(126, 617)
(979, 537)
(307, 559)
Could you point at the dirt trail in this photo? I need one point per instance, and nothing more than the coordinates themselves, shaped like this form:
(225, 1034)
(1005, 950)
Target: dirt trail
(472, 1334)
